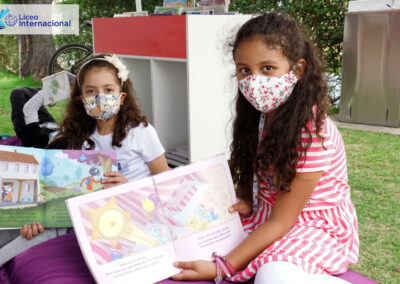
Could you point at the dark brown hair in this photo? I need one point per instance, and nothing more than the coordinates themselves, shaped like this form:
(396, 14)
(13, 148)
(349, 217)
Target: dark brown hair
(278, 150)
(77, 126)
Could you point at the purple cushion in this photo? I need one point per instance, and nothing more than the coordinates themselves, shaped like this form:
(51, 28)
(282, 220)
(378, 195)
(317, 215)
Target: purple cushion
(60, 261)
(13, 140)
(356, 278)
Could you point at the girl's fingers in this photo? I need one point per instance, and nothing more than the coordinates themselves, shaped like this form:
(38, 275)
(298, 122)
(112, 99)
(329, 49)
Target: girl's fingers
(113, 178)
(107, 180)
(183, 264)
(112, 174)
(187, 273)
(233, 208)
(241, 207)
(113, 181)
(183, 275)
(24, 231)
(29, 233)
(40, 228)
(34, 229)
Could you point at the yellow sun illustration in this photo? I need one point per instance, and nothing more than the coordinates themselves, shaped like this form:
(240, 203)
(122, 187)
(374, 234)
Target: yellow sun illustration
(112, 223)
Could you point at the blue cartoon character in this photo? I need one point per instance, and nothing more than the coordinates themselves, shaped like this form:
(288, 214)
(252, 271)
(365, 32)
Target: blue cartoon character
(205, 214)
(158, 234)
(116, 254)
(89, 180)
(7, 194)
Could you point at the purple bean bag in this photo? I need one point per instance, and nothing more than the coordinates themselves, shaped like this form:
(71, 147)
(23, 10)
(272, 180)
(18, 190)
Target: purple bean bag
(60, 261)
(13, 140)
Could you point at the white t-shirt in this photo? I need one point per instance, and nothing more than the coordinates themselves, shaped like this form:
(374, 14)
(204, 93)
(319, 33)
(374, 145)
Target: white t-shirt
(140, 146)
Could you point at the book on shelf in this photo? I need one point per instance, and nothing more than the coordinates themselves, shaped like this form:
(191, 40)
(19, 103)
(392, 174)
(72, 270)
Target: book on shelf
(219, 7)
(135, 229)
(172, 10)
(131, 14)
(174, 3)
(196, 11)
(34, 183)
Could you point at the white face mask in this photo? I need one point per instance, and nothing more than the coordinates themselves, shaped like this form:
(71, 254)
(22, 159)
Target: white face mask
(267, 93)
(102, 106)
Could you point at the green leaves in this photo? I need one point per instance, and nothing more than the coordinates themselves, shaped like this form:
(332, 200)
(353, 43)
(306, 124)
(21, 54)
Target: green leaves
(323, 20)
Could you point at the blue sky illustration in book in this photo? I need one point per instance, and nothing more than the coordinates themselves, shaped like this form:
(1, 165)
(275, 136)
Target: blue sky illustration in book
(30, 175)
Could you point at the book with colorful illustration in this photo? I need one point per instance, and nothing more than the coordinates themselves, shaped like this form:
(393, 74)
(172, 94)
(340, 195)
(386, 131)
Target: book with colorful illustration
(34, 183)
(57, 87)
(170, 10)
(137, 228)
(174, 3)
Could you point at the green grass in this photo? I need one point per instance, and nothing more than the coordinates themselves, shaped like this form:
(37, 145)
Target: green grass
(8, 82)
(374, 176)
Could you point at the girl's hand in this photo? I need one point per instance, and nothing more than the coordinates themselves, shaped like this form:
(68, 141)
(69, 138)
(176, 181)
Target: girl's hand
(242, 207)
(29, 231)
(195, 270)
(113, 179)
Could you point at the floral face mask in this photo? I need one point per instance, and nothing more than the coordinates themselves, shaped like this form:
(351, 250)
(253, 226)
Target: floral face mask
(267, 93)
(102, 106)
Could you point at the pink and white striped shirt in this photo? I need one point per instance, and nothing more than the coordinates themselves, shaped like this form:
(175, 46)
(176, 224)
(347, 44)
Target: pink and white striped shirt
(324, 238)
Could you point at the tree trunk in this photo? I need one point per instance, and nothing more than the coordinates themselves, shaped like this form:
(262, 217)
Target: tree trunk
(34, 50)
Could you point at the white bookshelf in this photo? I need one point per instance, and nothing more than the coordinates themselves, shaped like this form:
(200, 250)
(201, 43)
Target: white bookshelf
(188, 98)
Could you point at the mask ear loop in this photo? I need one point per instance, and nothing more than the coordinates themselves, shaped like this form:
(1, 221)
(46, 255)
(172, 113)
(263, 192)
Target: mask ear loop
(295, 68)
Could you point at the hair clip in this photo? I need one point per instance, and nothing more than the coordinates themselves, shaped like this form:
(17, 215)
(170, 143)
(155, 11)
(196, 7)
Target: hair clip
(122, 70)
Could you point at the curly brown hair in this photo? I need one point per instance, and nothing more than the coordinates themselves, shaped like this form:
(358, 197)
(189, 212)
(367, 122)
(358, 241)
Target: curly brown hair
(278, 149)
(77, 126)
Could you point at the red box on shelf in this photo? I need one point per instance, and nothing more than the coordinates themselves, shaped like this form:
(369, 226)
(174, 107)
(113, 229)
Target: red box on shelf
(153, 36)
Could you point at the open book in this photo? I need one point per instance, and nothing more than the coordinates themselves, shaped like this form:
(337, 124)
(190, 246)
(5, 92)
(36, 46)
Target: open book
(35, 182)
(57, 87)
(136, 231)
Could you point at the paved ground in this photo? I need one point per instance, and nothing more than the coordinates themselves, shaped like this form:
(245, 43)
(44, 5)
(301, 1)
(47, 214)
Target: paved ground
(392, 130)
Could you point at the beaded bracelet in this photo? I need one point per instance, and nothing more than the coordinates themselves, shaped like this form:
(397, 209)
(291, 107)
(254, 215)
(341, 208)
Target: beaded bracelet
(223, 263)
(220, 263)
(218, 279)
(229, 265)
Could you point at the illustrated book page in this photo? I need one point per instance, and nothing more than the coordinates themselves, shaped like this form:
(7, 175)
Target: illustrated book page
(136, 229)
(34, 183)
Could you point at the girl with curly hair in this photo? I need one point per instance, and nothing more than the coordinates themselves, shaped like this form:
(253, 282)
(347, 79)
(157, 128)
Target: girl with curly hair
(288, 163)
(102, 114)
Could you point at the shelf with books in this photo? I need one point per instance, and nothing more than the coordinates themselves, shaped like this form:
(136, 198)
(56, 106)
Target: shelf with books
(182, 75)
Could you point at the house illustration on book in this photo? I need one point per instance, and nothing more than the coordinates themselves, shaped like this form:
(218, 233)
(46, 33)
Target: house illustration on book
(19, 178)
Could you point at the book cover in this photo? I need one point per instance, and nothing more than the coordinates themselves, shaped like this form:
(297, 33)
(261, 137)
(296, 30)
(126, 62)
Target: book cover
(35, 182)
(57, 87)
(174, 3)
(144, 226)
(170, 10)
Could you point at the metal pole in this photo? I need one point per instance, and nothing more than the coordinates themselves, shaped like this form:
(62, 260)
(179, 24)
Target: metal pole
(138, 5)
